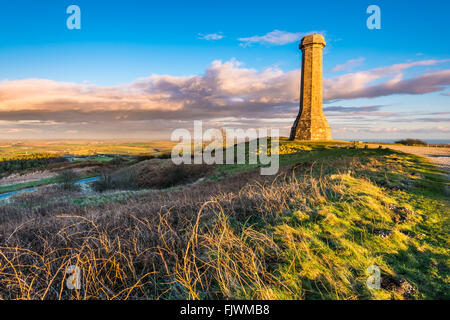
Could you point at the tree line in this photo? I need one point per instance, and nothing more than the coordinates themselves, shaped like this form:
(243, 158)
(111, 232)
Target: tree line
(28, 161)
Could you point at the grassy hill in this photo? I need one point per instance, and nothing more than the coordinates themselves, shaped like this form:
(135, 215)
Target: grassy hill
(310, 232)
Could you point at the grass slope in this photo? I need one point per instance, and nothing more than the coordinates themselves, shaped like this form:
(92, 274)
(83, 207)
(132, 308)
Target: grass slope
(309, 233)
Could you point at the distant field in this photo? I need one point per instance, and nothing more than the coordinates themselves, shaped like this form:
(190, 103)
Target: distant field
(10, 149)
(13, 148)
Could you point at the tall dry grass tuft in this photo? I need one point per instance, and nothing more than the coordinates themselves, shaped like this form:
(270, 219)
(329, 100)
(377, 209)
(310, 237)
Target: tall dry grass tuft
(206, 241)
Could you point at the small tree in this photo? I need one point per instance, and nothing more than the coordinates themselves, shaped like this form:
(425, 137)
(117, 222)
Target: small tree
(67, 179)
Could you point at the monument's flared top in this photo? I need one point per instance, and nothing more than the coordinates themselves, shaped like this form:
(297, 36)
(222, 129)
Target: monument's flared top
(313, 39)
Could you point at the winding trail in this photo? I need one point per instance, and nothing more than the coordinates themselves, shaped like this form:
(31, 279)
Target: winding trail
(4, 196)
(438, 156)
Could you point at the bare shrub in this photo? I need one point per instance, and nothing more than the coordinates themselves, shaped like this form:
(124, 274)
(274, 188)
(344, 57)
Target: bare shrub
(153, 174)
(123, 179)
(67, 179)
(174, 175)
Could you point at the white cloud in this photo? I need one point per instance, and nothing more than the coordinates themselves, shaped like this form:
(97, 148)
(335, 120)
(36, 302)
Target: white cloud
(348, 65)
(211, 36)
(358, 84)
(276, 37)
(225, 90)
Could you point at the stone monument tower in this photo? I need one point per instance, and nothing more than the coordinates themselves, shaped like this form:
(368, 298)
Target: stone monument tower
(311, 123)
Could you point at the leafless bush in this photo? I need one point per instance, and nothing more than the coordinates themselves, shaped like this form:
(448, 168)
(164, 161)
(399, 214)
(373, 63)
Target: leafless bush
(152, 175)
(67, 179)
(123, 179)
(173, 175)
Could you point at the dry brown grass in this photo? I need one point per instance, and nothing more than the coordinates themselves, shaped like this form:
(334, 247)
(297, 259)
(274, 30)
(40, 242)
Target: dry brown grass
(169, 245)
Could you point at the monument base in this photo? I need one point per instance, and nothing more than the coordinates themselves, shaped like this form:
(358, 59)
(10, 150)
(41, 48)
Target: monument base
(313, 131)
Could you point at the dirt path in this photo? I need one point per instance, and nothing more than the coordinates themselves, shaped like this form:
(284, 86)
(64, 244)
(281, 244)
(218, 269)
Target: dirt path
(438, 156)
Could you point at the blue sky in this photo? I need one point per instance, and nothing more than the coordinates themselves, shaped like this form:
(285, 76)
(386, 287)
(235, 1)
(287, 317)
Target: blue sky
(179, 41)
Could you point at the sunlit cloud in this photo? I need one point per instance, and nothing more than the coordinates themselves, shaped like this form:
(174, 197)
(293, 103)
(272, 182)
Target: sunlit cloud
(226, 90)
(358, 84)
(352, 112)
(348, 65)
(353, 109)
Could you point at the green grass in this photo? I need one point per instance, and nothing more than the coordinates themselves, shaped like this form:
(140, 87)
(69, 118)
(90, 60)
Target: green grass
(338, 240)
(328, 246)
(12, 148)
(96, 200)
(26, 185)
(309, 152)
(37, 183)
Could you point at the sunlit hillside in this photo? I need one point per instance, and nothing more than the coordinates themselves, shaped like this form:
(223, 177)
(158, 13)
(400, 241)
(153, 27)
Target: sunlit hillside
(145, 228)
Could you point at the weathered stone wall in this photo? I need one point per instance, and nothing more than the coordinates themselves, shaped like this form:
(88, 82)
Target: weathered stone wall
(311, 123)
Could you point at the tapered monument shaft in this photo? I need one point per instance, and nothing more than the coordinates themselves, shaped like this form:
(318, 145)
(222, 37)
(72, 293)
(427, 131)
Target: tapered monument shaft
(311, 123)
